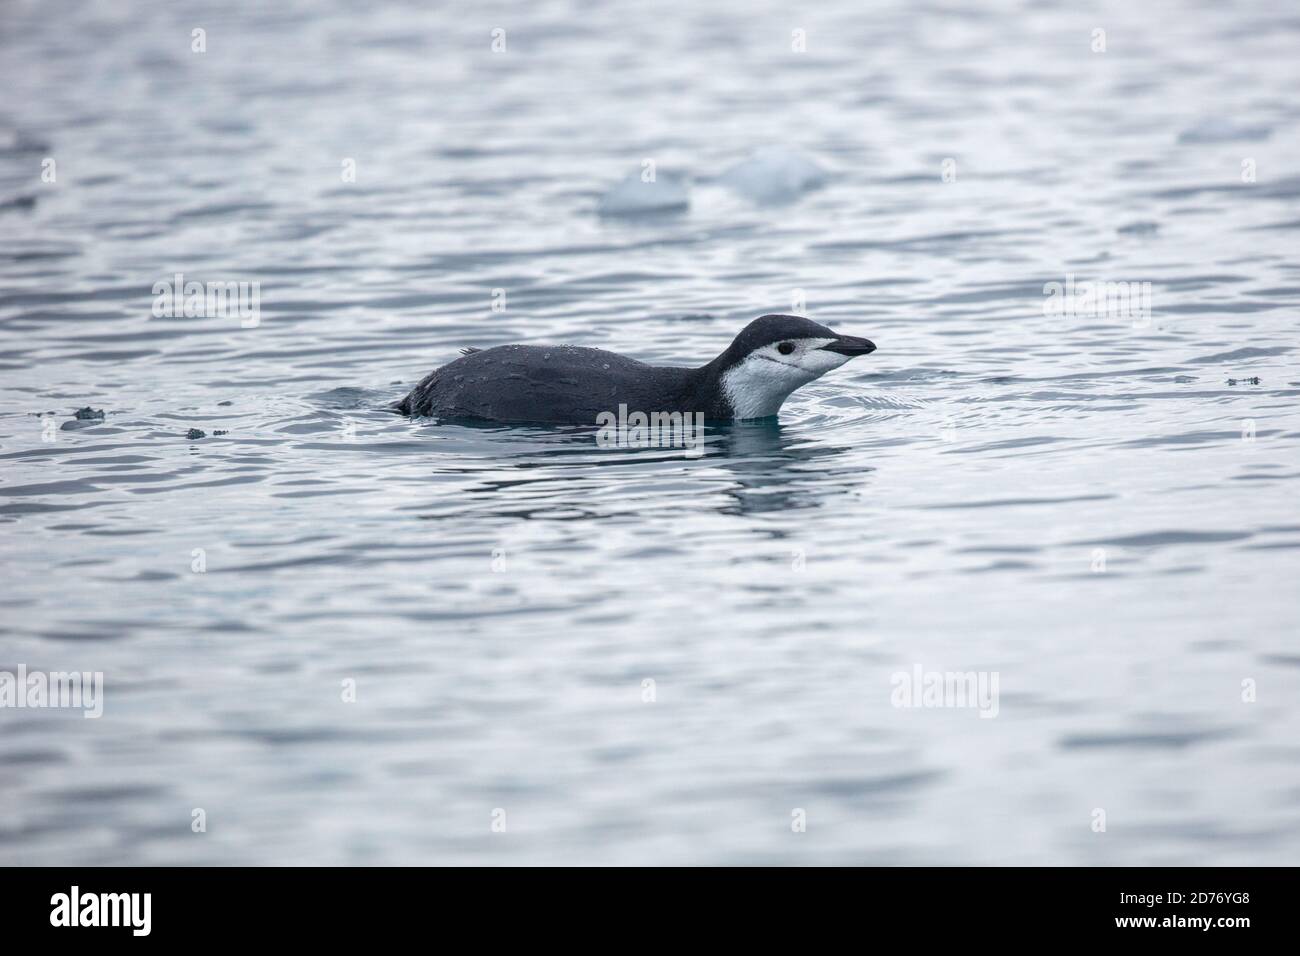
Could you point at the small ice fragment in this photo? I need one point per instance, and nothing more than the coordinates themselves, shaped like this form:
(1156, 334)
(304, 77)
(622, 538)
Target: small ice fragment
(774, 174)
(83, 418)
(633, 196)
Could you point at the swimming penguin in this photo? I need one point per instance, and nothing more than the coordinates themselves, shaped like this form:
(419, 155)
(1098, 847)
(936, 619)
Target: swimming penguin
(769, 359)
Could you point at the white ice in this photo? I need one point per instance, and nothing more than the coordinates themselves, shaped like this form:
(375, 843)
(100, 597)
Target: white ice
(774, 174)
(634, 195)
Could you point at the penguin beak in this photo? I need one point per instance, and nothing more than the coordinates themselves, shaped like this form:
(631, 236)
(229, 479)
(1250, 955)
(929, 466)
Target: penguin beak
(850, 345)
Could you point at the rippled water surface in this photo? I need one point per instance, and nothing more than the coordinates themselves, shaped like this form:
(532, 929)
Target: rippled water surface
(1099, 509)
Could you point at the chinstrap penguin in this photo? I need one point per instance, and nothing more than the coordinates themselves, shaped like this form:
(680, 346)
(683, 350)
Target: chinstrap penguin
(769, 359)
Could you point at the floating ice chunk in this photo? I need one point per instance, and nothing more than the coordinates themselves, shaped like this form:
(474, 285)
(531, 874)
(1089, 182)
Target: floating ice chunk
(1219, 130)
(634, 196)
(774, 174)
(84, 418)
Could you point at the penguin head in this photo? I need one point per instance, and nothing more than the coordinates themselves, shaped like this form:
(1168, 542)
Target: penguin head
(774, 355)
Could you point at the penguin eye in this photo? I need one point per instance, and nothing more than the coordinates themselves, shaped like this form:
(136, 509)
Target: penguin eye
(785, 348)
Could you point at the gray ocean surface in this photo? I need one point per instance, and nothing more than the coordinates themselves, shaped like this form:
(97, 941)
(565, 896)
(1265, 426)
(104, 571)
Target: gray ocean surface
(632, 656)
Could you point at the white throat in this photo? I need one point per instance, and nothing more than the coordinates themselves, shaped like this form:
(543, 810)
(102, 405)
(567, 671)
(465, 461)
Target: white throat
(757, 387)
